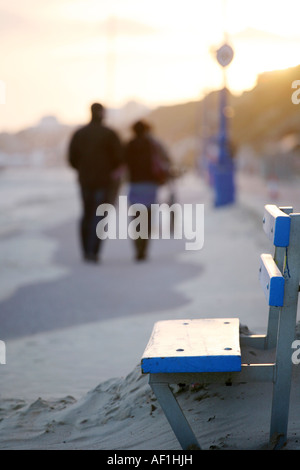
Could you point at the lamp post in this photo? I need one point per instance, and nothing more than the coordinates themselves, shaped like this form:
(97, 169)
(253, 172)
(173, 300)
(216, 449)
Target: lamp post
(111, 32)
(224, 168)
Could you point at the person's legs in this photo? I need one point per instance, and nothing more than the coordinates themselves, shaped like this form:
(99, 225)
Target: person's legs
(85, 219)
(140, 248)
(144, 193)
(90, 242)
(141, 244)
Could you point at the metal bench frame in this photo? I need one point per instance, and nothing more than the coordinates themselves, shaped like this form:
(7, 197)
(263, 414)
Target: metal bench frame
(282, 226)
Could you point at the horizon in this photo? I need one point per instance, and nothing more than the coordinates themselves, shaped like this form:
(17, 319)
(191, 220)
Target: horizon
(60, 56)
(112, 120)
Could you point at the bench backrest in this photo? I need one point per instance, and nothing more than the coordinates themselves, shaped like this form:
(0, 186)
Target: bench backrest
(279, 274)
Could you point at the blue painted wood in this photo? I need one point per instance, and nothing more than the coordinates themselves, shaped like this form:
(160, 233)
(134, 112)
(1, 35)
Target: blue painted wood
(182, 364)
(193, 345)
(271, 280)
(276, 225)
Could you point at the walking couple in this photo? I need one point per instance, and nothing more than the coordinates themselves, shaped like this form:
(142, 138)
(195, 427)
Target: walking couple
(101, 161)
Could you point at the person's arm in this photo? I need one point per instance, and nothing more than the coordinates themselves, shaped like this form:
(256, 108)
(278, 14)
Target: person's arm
(73, 152)
(117, 151)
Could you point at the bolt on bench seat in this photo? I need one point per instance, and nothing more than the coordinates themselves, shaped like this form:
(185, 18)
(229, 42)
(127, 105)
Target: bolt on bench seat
(210, 350)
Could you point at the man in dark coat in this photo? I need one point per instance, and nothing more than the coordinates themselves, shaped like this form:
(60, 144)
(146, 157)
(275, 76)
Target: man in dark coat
(95, 152)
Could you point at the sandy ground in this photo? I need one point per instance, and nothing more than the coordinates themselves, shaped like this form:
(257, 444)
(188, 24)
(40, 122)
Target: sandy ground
(75, 333)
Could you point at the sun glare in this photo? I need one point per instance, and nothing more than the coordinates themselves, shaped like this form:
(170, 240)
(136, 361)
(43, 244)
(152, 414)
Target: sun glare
(156, 53)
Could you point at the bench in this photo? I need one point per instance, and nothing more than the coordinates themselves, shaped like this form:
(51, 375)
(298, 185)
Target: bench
(207, 351)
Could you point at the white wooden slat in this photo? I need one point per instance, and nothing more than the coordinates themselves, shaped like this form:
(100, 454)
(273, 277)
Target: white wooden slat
(197, 345)
(276, 225)
(271, 280)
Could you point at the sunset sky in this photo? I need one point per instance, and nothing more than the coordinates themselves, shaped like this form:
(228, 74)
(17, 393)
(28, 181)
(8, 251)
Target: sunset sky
(58, 56)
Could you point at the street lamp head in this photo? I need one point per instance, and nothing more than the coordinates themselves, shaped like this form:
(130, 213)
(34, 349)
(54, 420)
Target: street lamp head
(225, 55)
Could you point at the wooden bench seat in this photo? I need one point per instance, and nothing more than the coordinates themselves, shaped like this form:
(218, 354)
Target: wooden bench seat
(197, 345)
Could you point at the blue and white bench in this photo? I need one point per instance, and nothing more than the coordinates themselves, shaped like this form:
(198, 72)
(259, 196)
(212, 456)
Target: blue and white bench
(209, 350)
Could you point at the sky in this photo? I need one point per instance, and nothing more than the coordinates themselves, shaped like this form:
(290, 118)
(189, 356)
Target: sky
(59, 56)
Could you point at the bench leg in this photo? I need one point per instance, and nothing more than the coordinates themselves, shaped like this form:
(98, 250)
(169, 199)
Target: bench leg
(280, 411)
(174, 415)
(271, 338)
(282, 384)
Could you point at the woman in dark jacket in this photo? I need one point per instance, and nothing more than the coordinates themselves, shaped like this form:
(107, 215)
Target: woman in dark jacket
(139, 158)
